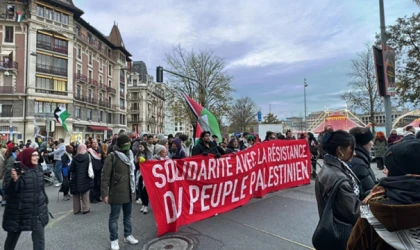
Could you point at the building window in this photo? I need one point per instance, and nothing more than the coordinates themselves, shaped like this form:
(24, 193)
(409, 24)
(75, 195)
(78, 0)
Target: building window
(43, 41)
(100, 116)
(122, 102)
(60, 46)
(47, 107)
(78, 30)
(65, 19)
(77, 112)
(101, 97)
(90, 75)
(57, 17)
(122, 119)
(109, 53)
(9, 34)
(100, 79)
(79, 69)
(110, 84)
(110, 70)
(50, 86)
(89, 36)
(89, 114)
(122, 90)
(6, 110)
(49, 13)
(79, 51)
(109, 118)
(78, 91)
(90, 96)
(101, 64)
(40, 10)
(109, 100)
(90, 58)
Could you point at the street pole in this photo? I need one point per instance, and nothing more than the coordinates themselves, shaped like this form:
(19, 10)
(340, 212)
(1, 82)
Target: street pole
(47, 128)
(304, 94)
(387, 99)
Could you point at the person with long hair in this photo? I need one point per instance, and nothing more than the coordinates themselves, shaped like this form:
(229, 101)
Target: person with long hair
(380, 144)
(233, 146)
(140, 157)
(339, 147)
(80, 182)
(313, 147)
(26, 207)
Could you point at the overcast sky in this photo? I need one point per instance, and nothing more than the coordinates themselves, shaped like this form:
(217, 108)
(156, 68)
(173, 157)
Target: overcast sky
(269, 46)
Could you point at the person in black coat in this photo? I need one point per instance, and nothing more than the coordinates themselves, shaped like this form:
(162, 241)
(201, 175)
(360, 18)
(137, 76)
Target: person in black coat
(97, 162)
(313, 147)
(80, 182)
(205, 146)
(360, 164)
(26, 207)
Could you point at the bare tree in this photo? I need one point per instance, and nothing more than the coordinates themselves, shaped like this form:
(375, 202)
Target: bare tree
(242, 114)
(214, 91)
(363, 95)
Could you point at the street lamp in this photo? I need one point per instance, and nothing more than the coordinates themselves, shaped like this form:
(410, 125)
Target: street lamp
(304, 95)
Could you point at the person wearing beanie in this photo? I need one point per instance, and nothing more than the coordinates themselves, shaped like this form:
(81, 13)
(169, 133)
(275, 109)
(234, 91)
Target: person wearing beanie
(118, 175)
(177, 151)
(390, 217)
(160, 153)
(360, 164)
(25, 183)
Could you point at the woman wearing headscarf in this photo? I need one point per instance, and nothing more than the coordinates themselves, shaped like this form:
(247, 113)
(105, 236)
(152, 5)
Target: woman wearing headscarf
(80, 182)
(26, 208)
(339, 147)
(177, 151)
(390, 213)
(380, 145)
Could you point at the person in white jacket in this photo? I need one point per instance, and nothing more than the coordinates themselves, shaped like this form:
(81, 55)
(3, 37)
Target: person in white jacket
(58, 152)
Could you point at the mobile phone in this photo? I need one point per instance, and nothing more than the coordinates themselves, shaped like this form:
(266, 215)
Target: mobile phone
(17, 166)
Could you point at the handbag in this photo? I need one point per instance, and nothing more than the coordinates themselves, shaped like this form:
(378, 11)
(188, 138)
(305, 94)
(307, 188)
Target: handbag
(330, 232)
(90, 168)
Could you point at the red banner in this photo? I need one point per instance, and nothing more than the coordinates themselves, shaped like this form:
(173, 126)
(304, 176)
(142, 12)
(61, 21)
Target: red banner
(196, 188)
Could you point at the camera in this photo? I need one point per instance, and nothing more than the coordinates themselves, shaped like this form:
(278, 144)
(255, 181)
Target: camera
(18, 167)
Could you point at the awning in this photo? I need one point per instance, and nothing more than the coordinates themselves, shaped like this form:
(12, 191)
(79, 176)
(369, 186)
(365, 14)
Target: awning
(99, 128)
(5, 52)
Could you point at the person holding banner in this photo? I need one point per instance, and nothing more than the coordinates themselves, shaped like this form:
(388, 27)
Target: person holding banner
(205, 146)
(340, 149)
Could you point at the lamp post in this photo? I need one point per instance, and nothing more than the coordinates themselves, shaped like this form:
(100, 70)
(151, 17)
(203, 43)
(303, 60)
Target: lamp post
(304, 96)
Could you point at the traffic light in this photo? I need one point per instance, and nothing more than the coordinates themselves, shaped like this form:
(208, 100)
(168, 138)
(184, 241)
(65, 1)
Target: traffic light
(159, 74)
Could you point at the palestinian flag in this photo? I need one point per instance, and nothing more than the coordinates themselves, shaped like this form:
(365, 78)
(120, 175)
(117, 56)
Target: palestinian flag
(61, 115)
(206, 121)
(19, 16)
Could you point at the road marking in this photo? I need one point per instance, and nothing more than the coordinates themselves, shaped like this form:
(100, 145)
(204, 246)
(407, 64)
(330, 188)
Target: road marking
(271, 234)
(60, 218)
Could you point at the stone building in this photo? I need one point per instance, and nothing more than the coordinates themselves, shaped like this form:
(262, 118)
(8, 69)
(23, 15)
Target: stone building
(50, 56)
(146, 102)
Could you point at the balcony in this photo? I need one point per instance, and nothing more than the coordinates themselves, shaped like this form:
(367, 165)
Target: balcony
(134, 119)
(118, 107)
(94, 82)
(51, 92)
(112, 90)
(80, 78)
(7, 90)
(53, 47)
(104, 104)
(96, 44)
(51, 69)
(80, 98)
(103, 86)
(6, 113)
(9, 65)
(91, 100)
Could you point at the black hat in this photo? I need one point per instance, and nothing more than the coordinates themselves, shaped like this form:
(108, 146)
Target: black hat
(403, 158)
(122, 139)
(170, 136)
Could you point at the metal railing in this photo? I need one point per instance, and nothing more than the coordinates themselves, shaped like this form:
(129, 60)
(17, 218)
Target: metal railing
(51, 69)
(111, 90)
(9, 64)
(52, 92)
(81, 78)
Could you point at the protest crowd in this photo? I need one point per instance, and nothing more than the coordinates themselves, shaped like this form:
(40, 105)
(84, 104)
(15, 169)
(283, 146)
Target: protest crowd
(363, 210)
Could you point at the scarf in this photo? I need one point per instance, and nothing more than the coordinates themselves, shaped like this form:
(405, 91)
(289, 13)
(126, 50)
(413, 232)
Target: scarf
(129, 161)
(402, 239)
(350, 173)
(95, 154)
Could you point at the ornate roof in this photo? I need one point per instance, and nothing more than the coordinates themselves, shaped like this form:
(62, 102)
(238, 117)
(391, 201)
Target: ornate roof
(337, 121)
(115, 37)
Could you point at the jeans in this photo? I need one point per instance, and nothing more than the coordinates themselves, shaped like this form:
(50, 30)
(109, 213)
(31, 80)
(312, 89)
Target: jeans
(38, 238)
(57, 171)
(113, 220)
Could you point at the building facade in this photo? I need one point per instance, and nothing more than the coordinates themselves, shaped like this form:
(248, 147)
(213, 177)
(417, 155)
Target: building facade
(55, 58)
(146, 102)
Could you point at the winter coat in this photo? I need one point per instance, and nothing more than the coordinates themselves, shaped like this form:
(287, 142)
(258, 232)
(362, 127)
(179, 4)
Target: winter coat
(2, 164)
(180, 154)
(360, 164)
(115, 182)
(380, 148)
(347, 204)
(80, 182)
(389, 217)
(8, 165)
(26, 201)
(201, 148)
(97, 164)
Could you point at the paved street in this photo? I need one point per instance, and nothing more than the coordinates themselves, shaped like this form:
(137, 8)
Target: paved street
(282, 220)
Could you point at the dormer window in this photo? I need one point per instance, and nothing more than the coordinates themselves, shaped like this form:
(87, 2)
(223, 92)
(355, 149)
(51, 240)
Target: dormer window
(10, 12)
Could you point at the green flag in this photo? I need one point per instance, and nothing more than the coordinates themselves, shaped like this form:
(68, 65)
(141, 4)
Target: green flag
(61, 115)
